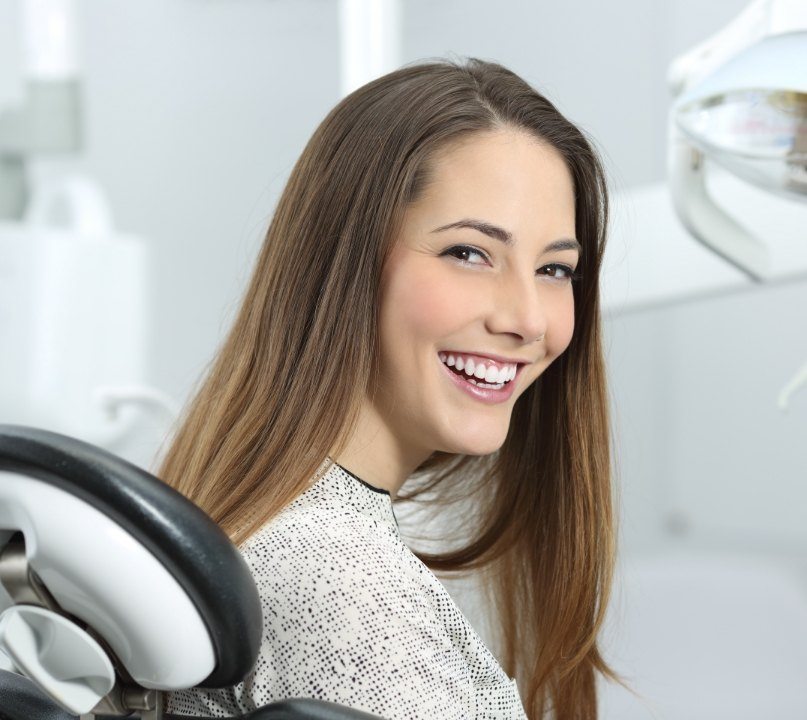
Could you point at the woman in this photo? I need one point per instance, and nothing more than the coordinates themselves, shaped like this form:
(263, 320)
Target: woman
(425, 306)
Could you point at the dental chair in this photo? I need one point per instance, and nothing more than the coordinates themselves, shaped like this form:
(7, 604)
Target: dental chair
(114, 587)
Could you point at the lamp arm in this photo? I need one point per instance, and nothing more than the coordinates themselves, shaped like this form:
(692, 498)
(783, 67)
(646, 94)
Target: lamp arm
(706, 222)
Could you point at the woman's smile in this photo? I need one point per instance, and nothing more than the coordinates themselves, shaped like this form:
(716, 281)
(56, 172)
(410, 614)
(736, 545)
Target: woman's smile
(481, 378)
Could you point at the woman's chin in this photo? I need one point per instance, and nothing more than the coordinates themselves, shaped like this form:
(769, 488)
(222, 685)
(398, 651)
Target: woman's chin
(483, 445)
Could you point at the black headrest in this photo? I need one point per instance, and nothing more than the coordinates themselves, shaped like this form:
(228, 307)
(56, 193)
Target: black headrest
(183, 538)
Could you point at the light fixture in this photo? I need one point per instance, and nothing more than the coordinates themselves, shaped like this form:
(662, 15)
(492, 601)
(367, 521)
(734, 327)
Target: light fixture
(742, 103)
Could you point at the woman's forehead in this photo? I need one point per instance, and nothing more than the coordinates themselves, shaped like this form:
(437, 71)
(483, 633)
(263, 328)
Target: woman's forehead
(505, 177)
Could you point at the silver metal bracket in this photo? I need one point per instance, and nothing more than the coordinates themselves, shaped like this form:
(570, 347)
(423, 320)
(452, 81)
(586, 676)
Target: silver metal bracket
(18, 578)
(149, 704)
(25, 587)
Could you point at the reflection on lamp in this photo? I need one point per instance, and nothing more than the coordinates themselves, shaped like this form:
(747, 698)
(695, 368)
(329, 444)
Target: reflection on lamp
(751, 116)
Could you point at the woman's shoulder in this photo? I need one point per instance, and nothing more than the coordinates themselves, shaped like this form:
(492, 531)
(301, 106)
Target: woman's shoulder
(316, 556)
(334, 508)
(318, 535)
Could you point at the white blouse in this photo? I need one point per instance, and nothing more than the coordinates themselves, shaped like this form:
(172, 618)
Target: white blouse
(351, 615)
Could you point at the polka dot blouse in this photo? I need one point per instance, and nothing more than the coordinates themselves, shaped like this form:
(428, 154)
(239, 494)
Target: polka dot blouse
(351, 615)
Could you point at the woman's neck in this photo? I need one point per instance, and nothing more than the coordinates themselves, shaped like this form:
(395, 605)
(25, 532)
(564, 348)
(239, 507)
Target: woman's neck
(378, 457)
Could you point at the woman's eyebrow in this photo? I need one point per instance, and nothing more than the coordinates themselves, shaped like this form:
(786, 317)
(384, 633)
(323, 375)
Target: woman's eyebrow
(493, 231)
(499, 233)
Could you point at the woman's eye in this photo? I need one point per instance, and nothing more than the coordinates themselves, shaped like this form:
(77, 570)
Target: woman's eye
(558, 271)
(463, 252)
(562, 272)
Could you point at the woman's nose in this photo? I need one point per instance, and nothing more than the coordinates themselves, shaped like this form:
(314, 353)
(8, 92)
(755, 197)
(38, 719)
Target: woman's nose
(518, 308)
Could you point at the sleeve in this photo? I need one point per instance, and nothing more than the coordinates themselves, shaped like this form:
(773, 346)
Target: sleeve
(345, 620)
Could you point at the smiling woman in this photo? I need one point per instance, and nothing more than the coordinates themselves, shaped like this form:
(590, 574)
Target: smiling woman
(423, 314)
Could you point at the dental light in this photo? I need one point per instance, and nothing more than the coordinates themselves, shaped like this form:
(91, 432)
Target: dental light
(741, 102)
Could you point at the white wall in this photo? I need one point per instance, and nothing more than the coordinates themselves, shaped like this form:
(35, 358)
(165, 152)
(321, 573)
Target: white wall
(196, 111)
(704, 446)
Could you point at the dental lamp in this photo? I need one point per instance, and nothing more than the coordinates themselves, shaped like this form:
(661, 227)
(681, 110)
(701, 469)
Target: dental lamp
(741, 101)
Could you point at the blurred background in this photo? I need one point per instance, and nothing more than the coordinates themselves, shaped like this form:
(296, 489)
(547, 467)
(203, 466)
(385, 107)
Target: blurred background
(164, 133)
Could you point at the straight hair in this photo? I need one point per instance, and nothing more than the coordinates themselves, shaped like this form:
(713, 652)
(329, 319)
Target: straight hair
(273, 403)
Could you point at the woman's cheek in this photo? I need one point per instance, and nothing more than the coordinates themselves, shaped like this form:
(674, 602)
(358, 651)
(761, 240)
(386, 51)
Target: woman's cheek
(429, 304)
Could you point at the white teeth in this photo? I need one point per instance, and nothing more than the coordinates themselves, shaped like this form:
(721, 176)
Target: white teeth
(477, 370)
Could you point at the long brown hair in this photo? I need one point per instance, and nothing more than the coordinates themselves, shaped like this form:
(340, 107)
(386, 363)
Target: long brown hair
(274, 402)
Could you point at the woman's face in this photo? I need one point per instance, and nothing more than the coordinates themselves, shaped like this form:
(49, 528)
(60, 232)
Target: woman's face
(453, 290)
